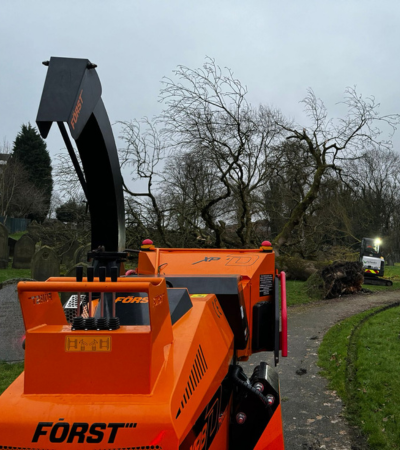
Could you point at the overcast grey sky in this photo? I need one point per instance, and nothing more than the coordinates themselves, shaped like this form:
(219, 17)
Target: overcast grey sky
(278, 48)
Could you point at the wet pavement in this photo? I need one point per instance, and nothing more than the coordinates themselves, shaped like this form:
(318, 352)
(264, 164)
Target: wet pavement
(313, 414)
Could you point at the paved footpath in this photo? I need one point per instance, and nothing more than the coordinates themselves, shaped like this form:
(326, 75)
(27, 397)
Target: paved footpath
(312, 414)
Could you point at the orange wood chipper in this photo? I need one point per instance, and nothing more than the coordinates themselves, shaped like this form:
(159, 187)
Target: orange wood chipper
(149, 360)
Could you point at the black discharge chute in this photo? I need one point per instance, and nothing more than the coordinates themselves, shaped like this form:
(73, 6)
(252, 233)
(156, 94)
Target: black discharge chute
(72, 94)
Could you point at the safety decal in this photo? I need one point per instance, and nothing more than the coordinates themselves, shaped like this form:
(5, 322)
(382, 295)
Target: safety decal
(266, 283)
(88, 343)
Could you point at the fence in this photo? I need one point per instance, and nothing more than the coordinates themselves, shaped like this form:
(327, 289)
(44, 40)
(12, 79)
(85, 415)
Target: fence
(14, 225)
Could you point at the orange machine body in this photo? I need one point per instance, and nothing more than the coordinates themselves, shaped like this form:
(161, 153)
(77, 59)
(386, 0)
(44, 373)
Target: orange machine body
(249, 265)
(160, 385)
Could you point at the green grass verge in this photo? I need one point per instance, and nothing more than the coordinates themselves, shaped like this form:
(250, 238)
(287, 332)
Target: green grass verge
(9, 273)
(361, 358)
(8, 373)
(296, 293)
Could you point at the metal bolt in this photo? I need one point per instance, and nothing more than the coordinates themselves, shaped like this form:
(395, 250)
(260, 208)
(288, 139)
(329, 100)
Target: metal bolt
(270, 399)
(259, 386)
(241, 418)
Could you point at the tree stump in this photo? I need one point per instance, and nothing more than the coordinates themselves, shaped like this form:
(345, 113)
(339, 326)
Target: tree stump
(335, 280)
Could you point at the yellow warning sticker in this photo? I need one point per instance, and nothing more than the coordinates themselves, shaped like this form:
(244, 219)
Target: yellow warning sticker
(88, 344)
(198, 295)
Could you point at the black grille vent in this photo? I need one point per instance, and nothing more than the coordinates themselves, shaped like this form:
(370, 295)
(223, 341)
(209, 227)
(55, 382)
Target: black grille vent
(197, 372)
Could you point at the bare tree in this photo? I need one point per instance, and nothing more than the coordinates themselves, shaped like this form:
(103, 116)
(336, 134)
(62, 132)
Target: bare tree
(373, 209)
(66, 178)
(207, 113)
(190, 183)
(219, 165)
(331, 142)
(143, 154)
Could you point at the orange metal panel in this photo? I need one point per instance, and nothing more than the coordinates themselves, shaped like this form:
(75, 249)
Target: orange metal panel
(272, 438)
(202, 346)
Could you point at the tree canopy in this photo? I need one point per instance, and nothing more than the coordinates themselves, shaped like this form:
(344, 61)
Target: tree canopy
(30, 151)
(223, 173)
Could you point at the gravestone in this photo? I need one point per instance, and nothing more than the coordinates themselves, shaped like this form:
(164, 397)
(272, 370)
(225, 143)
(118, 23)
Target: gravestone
(45, 264)
(69, 253)
(3, 247)
(34, 230)
(23, 253)
(81, 254)
(11, 245)
(12, 329)
(35, 237)
(72, 273)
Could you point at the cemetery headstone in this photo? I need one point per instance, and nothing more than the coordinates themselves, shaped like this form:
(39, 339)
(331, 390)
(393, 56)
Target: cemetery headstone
(35, 237)
(34, 230)
(45, 264)
(81, 254)
(3, 247)
(12, 329)
(23, 253)
(69, 253)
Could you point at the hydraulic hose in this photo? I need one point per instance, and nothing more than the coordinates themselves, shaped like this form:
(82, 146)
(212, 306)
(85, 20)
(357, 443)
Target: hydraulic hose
(236, 371)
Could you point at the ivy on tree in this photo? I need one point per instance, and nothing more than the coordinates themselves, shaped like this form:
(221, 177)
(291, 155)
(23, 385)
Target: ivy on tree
(30, 150)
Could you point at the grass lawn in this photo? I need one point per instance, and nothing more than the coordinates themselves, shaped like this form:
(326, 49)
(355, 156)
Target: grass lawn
(8, 373)
(8, 274)
(296, 293)
(361, 358)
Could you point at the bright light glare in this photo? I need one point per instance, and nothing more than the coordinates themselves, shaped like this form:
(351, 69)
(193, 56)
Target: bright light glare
(377, 241)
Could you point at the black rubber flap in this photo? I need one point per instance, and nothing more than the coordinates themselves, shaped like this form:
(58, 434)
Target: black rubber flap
(226, 288)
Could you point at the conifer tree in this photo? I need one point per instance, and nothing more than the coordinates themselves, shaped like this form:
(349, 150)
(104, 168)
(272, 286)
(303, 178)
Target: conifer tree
(30, 150)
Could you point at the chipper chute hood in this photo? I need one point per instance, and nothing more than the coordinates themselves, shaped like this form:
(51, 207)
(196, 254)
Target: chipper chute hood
(72, 94)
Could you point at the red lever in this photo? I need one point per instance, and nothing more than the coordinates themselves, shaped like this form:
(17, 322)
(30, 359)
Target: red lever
(284, 333)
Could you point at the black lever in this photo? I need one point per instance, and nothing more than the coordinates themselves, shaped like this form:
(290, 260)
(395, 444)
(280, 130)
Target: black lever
(90, 322)
(78, 322)
(102, 323)
(114, 321)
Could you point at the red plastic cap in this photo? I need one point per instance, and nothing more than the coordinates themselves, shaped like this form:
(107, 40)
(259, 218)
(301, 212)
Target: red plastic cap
(147, 242)
(131, 272)
(266, 244)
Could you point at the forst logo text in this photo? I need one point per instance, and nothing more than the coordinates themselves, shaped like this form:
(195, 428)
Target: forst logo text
(77, 110)
(78, 432)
